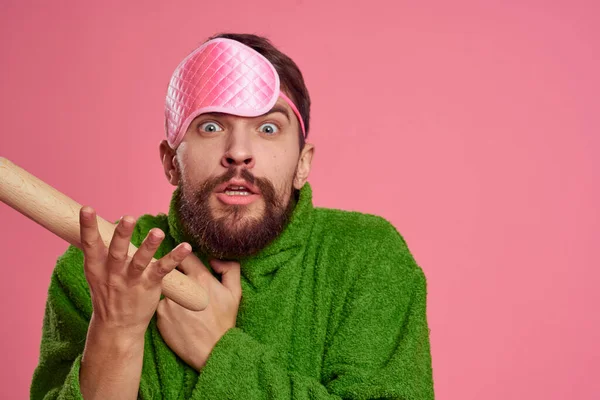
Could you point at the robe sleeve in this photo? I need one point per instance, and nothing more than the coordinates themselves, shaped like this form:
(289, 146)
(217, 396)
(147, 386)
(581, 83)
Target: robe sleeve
(63, 340)
(64, 330)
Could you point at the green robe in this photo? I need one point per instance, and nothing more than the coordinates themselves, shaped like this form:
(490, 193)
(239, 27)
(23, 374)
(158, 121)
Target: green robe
(334, 308)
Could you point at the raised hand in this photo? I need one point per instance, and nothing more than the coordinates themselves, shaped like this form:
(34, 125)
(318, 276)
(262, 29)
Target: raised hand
(125, 293)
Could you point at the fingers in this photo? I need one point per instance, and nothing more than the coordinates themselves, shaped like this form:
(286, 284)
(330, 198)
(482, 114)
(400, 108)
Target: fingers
(230, 275)
(157, 270)
(119, 244)
(145, 252)
(193, 267)
(91, 242)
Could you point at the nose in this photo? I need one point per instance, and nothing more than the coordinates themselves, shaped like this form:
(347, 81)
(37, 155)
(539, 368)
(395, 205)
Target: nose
(238, 152)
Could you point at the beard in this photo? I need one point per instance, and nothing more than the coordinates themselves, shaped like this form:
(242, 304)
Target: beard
(235, 234)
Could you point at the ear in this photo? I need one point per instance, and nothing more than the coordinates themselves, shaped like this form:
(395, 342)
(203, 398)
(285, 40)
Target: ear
(304, 165)
(167, 157)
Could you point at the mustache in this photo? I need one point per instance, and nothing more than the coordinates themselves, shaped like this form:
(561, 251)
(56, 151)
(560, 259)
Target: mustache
(267, 188)
(230, 174)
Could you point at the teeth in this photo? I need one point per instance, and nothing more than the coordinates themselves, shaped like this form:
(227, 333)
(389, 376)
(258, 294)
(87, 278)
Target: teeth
(236, 193)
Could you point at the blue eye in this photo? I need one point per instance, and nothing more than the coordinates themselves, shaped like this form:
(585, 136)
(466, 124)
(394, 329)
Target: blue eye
(269, 129)
(210, 127)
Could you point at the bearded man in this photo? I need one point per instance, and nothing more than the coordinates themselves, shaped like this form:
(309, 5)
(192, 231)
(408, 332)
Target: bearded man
(305, 302)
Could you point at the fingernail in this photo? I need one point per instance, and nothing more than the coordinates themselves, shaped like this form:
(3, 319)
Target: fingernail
(87, 214)
(127, 222)
(155, 236)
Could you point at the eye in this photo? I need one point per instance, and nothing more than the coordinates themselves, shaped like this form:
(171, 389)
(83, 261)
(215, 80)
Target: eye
(210, 127)
(269, 128)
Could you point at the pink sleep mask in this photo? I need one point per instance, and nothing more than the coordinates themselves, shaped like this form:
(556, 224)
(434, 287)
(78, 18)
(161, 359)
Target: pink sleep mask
(224, 76)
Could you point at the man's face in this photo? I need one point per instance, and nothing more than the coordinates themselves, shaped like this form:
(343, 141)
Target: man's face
(237, 178)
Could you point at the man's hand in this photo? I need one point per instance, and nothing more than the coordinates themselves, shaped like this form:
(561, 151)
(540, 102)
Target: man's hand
(193, 334)
(125, 292)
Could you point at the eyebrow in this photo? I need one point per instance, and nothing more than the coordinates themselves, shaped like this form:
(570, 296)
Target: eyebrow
(280, 109)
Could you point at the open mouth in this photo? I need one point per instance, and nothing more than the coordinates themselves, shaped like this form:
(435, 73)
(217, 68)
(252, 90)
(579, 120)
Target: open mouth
(234, 190)
(237, 192)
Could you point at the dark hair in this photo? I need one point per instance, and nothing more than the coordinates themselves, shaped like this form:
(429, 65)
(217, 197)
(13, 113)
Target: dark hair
(290, 76)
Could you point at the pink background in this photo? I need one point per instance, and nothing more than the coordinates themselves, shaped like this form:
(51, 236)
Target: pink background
(472, 125)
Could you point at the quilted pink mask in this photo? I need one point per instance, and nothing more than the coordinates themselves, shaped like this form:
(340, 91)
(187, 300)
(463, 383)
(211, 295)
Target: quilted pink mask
(225, 76)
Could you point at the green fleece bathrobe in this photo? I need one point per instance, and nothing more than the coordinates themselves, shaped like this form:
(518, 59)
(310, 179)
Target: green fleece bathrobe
(334, 308)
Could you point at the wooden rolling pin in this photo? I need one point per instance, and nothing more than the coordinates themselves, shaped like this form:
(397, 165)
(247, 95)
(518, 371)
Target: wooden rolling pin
(60, 214)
